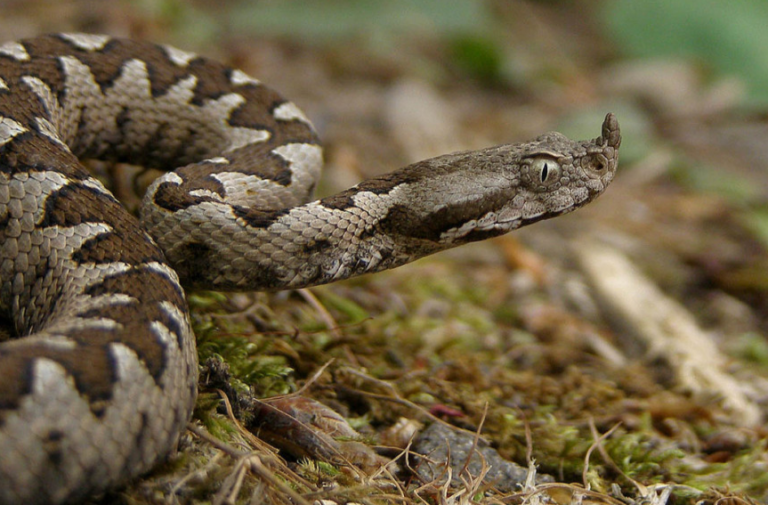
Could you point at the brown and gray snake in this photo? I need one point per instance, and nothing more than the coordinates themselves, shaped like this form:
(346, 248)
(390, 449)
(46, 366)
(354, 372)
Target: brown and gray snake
(99, 377)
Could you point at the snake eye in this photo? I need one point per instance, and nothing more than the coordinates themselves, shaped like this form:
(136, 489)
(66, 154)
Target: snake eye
(545, 171)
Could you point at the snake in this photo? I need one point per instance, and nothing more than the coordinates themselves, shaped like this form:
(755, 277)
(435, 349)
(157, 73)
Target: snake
(98, 372)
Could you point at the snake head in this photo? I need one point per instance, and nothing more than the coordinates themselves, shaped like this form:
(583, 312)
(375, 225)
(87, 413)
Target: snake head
(520, 184)
(559, 175)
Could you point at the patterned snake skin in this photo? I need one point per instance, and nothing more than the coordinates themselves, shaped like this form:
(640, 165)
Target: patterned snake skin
(99, 378)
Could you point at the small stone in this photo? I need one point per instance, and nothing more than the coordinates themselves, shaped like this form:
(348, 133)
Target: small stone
(438, 443)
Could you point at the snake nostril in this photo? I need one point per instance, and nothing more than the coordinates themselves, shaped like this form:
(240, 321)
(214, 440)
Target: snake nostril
(598, 163)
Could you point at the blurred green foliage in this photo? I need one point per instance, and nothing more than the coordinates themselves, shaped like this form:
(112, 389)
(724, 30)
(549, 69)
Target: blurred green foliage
(334, 19)
(479, 57)
(380, 25)
(729, 37)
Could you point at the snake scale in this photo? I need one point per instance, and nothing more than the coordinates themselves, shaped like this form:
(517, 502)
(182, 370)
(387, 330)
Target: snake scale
(98, 378)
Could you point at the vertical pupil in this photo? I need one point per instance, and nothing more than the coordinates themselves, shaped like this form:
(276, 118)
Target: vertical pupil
(544, 172)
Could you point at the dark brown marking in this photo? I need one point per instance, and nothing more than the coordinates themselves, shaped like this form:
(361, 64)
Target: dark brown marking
(256, 218)
(400, 220)
(174, 197)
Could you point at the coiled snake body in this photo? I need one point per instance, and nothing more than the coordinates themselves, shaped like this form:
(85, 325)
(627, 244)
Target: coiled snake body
(100, 378)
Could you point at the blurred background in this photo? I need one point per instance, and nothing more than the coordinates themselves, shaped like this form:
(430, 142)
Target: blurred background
(590, 318)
